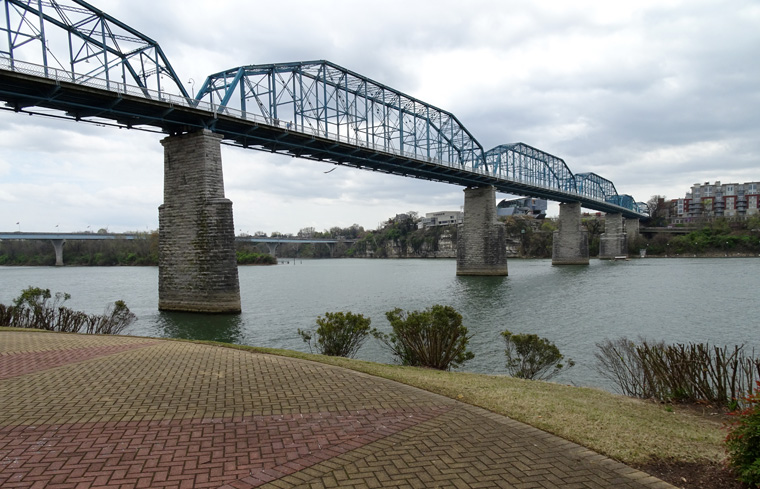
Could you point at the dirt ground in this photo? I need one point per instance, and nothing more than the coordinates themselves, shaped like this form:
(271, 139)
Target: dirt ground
(694, 475)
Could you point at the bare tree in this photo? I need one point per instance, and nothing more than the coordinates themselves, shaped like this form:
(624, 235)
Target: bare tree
(657, 206)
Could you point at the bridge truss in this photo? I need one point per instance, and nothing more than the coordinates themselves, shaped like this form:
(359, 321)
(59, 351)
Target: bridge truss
(333, 102)
(527, 164)
(69, 56)
(74, 37)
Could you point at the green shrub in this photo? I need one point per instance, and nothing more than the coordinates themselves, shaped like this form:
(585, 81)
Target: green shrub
(433, 338)
(338, 334)
(531, 357)
(253, 258)
(743, 441)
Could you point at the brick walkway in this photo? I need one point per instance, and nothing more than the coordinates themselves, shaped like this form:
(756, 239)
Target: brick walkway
(82, 412)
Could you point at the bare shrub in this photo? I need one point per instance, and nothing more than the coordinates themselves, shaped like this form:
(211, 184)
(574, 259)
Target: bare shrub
(38, 308)
(680, 372)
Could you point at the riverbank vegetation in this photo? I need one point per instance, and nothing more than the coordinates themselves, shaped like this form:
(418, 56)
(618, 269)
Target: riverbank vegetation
(433, 338)
(39, 309)
(338, 334)
(140, 251)
(401, 237)
(687, 373)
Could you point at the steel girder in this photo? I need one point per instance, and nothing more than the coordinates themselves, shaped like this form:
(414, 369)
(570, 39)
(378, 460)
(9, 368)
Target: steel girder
(625, 201)
(85, 42)
(592, 185)
(332, 102)
(526, 164)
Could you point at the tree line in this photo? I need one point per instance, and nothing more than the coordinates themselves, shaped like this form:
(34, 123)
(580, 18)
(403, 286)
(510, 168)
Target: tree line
(401, 236)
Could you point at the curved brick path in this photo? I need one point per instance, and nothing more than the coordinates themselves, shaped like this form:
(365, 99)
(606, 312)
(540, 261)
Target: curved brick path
(115, 412)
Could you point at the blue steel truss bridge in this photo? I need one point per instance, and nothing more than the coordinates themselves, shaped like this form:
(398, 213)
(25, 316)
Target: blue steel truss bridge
(85, 65)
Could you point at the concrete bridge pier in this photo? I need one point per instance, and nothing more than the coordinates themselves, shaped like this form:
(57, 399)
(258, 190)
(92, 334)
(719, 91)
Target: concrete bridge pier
(273, 248)
(481, 238)
(613, 242)
(570, 244)
(58, 246)
(197, 265)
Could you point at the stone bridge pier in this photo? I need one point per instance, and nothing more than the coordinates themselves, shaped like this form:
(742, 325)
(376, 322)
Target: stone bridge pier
(481, 238)
(632, 227)
(570, 243)
(613, 242)
(197, 263)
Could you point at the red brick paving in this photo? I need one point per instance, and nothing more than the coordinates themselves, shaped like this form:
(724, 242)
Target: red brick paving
(79, 412)
(210, 453)
(13, 364)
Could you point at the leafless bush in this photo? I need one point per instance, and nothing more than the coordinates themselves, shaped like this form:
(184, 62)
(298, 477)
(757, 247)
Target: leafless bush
(38, 308)
(681, 372)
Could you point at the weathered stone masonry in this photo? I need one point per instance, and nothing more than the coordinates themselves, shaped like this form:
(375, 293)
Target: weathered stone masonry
(197, 266)
(613, 242)
(481, 239)
(570, 244)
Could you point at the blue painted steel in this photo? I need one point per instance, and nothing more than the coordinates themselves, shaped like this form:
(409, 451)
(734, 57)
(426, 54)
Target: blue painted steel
(593, 185)
(312, 109)
(529, 165)
(334, 103)
(97, 46)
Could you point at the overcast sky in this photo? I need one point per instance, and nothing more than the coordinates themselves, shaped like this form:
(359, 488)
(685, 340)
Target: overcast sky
(653, 95)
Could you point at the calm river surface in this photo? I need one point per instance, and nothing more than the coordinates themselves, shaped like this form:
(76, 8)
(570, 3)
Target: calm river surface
(676, 300)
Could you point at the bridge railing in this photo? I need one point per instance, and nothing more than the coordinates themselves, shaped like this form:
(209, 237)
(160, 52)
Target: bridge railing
(61, 75)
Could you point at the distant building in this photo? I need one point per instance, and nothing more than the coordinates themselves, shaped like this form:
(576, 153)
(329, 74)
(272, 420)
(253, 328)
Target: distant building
(442, 218)
(717, 200)
(527, 206)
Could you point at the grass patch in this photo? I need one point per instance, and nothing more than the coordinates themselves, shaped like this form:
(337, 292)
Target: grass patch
(630, 430)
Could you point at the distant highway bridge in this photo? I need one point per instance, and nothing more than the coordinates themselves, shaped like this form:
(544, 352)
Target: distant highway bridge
(71, 57)
(59, 239)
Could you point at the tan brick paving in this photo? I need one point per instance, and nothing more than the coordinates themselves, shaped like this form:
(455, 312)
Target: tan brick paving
(115, 412)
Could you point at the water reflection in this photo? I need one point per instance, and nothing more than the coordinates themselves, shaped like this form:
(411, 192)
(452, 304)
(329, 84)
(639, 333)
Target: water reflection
(475, 289)
(226, 328)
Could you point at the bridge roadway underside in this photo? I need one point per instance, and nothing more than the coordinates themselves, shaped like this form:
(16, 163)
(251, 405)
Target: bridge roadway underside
(21, 91)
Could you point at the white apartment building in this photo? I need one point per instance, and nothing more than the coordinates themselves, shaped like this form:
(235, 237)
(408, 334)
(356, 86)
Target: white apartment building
(442, 218)
(718, 200)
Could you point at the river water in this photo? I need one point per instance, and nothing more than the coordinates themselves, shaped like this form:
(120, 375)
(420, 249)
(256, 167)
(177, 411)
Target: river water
(709, 300)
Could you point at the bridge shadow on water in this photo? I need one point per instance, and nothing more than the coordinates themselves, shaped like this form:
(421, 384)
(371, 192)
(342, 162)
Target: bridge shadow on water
(227, 328)
(480, 290)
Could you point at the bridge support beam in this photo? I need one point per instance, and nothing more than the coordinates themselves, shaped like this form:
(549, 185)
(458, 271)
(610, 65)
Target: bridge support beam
(570, 244)
(197, 265)
(613, 242)
(58, 247)
(481, 239)
(273, 248)
(632, 228)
